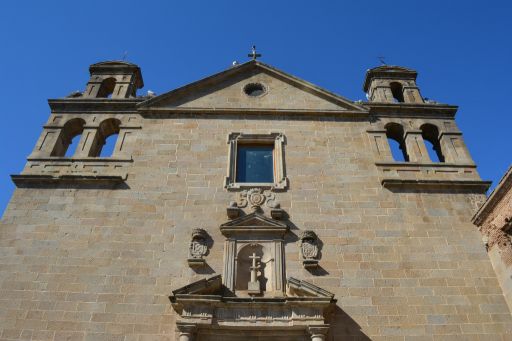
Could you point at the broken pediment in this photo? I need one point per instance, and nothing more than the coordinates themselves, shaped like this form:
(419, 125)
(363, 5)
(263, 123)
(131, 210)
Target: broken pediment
(251, 86)
(254, 223)
(202, 313)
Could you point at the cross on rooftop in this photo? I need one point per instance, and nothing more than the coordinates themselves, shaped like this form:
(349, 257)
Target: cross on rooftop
(253, 53)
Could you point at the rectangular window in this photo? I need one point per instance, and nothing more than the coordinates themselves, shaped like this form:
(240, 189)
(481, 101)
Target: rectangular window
(256, 160)
(255, 163)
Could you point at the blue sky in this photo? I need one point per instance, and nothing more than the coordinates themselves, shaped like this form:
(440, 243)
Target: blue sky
(461, 49)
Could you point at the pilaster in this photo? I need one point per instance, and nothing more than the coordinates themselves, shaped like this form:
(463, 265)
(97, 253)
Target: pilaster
(454, 148)
(318, 333)
(186, 332)
(415, 146)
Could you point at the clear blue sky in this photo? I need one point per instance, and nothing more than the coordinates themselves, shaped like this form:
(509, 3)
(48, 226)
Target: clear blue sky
(461, 49)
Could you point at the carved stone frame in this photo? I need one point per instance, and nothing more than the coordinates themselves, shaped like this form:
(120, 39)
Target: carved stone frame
(275, 139)
(255, 229)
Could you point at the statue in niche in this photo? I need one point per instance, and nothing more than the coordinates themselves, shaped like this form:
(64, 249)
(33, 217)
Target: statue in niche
(309, 249)
(198, 248)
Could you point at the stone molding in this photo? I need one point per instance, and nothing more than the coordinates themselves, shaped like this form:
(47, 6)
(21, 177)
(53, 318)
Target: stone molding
(95, 105)
(206, 305)
(476, 186)
(24, 179)
(412, 110)
(275, 139)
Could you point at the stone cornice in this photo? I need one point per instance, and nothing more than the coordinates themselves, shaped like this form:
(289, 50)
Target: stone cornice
(155, 111)
(24, 179)
(503, 187)
(381, 109)
(94, 105)
(477, 186)
(423, 164)
(80, 159)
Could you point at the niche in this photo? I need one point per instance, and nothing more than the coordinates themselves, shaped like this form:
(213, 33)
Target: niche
(253, 258)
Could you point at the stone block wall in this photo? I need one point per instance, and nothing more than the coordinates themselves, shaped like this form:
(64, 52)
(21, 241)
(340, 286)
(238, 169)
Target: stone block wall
(99, 263)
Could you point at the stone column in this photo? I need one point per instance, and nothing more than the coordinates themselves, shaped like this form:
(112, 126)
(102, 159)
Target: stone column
(318, 333)
(415, 146)
(186, 332)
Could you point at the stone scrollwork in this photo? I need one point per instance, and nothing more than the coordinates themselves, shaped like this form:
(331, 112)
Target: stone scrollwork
(255, 198)
(198, 247)
(309, 249)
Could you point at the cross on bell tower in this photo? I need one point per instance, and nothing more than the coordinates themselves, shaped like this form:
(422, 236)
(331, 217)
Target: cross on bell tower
(253, 53)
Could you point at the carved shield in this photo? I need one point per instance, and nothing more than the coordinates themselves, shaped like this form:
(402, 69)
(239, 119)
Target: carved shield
(309, 250)
(197, 249)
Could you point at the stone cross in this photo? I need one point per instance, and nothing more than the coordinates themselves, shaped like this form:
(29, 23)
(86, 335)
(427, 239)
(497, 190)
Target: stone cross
(253, 54)
(254, 268)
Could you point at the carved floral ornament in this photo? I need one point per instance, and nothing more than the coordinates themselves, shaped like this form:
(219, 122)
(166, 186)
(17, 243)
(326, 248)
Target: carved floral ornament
(255, 198)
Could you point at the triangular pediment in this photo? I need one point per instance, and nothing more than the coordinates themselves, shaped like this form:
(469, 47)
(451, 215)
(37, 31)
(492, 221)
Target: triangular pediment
(254, 223)
(256, 220)
(225, 91)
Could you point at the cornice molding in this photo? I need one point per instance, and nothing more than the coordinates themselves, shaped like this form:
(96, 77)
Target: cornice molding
(477, 186)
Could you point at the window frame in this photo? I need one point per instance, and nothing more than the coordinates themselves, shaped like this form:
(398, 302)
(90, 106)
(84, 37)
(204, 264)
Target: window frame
(277, 140)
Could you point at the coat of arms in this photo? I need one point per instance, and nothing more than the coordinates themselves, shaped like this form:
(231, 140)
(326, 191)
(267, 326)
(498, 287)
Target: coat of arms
(198, 247)
(309, 248)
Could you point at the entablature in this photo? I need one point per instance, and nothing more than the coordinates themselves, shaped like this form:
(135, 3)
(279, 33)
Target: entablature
(95, 105)
(416, 110)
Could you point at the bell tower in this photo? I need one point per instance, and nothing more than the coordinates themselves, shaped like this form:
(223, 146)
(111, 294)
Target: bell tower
(113, 79)
(392, 84)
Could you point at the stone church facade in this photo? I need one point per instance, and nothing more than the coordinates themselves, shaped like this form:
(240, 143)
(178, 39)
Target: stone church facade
(250, 204)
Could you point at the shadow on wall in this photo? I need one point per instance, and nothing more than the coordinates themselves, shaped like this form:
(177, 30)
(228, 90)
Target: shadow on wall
(343, 327)
(76, 185)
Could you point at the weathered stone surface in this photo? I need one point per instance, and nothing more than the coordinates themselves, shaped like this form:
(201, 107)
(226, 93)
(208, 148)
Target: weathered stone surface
(98, 262)
(494, 220)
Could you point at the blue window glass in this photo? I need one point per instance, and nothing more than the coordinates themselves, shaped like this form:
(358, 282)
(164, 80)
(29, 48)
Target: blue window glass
(255, 163)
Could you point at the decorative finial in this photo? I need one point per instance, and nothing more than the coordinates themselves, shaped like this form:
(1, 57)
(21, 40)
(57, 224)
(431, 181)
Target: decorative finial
(381, 59)
(253, 53)
(125, 54)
